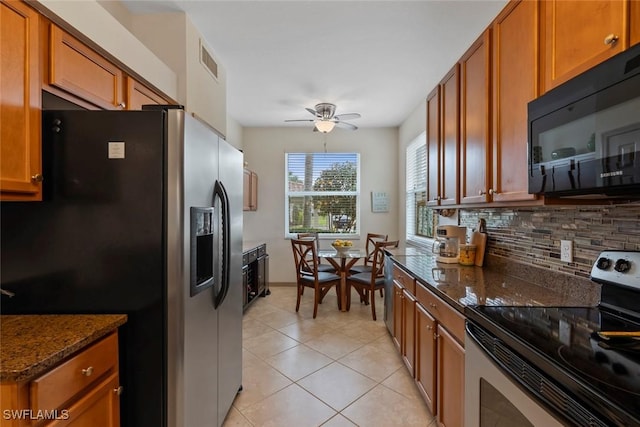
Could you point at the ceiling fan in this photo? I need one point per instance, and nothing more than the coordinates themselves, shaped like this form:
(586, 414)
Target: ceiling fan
(325, 120)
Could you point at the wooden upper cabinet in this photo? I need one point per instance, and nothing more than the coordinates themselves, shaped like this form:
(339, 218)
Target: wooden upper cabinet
(450, 137)
(80, 71)
(475, 96)
(433, 147)
(20, 103)
(250, 188)
(138, 95)
(634, 23)
(515, 83)
(577, 34)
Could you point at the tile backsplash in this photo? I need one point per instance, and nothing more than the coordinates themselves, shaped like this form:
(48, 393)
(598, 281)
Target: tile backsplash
(532, 235)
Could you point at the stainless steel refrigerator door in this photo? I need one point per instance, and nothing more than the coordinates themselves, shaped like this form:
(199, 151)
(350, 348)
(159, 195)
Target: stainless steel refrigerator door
(230, 311)
(192, 347)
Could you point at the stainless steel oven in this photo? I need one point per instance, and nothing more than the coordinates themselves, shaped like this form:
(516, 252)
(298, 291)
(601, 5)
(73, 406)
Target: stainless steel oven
(550, 366)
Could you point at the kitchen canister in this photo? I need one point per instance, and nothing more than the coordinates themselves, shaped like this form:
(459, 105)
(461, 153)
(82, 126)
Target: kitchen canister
(467, 254)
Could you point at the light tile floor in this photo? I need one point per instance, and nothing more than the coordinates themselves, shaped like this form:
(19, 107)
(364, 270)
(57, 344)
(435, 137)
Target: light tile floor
(339, 369)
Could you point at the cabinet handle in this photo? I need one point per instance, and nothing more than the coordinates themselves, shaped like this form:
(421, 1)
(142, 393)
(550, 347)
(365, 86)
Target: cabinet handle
(37, 178)
(438, 198)
(88, 371)
(436, 336)
(481, 192)
(492, 191)
(122, 105)
(432, 305)
(611, 39)
(118, 391)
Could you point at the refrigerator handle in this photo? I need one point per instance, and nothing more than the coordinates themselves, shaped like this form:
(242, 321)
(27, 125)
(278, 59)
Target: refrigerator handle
(220, 192)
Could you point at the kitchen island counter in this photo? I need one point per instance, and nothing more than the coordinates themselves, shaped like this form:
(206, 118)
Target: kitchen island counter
(32, 344)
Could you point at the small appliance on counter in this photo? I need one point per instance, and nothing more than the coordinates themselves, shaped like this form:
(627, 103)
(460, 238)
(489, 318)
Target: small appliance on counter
(573, 365)
(446, 246)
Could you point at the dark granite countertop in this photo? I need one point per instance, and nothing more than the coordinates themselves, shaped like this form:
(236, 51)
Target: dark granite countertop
(461, 285)
(32, 344)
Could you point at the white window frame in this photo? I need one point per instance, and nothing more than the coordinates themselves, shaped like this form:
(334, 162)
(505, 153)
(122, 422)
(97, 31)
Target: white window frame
(414, 186)
(355, 234)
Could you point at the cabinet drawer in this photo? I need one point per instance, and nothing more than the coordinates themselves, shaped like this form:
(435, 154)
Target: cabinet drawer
(404, 279)
(57, 386)
(446, 315)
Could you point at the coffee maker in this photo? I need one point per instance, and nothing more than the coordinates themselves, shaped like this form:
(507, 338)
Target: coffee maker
(447, 241)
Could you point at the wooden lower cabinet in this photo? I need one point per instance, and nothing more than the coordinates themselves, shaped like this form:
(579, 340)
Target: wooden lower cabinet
(397, 316)
(429, 335)
(425, 366)
(82, 391)
(450, 381)
(408, 330)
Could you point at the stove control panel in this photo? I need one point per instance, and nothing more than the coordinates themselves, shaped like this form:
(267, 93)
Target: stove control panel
(619, 267)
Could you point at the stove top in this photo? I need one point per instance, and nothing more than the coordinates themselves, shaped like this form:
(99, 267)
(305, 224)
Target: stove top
(571, 346)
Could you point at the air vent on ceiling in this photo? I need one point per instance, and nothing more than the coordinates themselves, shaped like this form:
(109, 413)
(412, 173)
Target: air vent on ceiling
(207, 60)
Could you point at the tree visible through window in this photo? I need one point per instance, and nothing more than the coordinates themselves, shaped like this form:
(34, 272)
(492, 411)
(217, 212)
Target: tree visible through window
(420, 220)
(322, 193)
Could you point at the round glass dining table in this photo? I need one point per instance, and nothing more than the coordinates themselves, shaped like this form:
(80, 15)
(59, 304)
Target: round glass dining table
(342, 262)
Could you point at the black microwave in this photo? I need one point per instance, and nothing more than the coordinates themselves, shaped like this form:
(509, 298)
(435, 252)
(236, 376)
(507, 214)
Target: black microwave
(584, 135)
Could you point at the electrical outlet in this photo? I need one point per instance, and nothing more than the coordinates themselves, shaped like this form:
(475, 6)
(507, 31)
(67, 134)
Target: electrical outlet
(566, 250)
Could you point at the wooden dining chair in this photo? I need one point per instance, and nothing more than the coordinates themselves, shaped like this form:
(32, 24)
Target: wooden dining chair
(307, 274)
(321, 267)
(367, 283)
(370, 246)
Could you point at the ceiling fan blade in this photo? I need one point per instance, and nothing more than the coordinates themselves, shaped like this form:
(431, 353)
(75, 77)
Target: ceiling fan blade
(347, 116)
(301, 120)
(346, 125)
(312, 111)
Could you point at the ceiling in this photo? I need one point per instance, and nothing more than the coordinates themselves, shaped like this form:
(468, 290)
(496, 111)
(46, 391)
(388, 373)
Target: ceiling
(376, 58)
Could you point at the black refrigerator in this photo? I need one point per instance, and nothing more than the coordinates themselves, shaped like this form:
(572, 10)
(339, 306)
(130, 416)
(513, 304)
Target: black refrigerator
(142, 216)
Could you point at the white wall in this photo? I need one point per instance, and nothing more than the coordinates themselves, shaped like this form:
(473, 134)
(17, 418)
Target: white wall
(264, 150)
(409, 130)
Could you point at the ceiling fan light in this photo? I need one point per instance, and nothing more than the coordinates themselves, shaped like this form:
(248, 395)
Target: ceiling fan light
(325, 126)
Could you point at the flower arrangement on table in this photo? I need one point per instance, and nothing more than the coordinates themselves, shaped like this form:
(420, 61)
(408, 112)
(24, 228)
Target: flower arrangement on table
(342, 245)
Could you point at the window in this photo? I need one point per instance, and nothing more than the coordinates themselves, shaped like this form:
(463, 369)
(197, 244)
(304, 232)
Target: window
(420, 220)
(322, 193)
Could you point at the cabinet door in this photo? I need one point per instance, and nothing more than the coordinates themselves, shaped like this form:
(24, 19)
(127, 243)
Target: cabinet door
(408, 330)
(450, 113)
(425, 366)
(138, 95)
(579, 34)
(634, 22)
(433, 147)
(515, 83)
(100, 406)
(450, 380)
(80, 71)
(246, 185)
(20, 103)
(397, 315)
(475, 122)
(254, 191)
